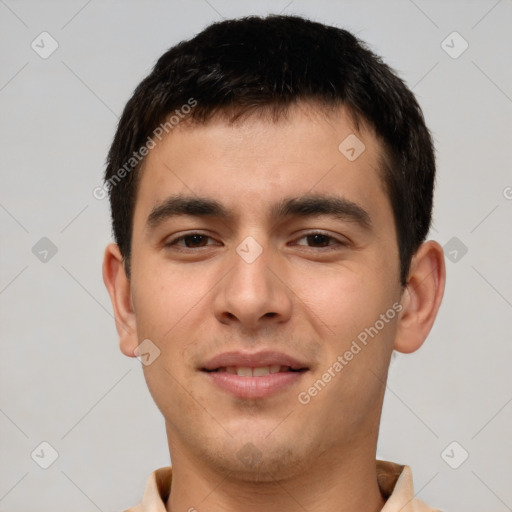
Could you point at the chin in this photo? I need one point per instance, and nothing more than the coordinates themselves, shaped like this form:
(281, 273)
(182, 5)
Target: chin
(256, 459)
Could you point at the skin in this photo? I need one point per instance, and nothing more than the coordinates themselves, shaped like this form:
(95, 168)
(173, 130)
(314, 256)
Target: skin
(306, 298)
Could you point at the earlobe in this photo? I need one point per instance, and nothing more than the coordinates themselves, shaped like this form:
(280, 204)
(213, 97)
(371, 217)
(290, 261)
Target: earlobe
(118, 286)
(421, 297)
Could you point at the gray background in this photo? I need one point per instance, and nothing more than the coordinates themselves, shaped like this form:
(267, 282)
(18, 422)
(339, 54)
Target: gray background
(62, 377)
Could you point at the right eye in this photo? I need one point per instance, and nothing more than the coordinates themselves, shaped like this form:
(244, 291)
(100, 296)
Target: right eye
(190, 241)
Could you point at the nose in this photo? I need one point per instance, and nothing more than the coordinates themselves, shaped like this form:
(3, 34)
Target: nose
(254, 293)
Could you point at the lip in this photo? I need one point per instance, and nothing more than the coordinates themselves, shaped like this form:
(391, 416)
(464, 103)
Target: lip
(254, 387)
(258, 359)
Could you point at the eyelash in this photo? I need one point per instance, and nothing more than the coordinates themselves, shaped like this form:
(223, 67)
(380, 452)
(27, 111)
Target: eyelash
(173, 242)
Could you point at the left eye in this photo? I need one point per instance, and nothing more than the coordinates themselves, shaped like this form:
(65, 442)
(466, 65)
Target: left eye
(320, 240)
(190, 241)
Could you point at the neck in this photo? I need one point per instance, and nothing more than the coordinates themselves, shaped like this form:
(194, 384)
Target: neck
(333, 482)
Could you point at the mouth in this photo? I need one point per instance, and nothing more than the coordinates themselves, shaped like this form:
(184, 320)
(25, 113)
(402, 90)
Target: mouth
(260, 371)
(259, 375)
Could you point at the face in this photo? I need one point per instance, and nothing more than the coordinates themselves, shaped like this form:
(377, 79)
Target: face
(265, 270)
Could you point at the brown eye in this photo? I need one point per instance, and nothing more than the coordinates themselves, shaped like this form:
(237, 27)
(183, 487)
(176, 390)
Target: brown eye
(320, 240)
(190, 241)
(194, 240)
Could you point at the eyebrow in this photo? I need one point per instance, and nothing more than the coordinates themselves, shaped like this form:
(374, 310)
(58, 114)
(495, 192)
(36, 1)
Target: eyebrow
(309, 205)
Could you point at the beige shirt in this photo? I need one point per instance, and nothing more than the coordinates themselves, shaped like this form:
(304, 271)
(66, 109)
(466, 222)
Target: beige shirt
(395, 483)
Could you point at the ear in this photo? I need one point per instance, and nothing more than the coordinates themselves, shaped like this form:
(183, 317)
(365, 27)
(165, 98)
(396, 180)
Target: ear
(421, 297)
(118, 286)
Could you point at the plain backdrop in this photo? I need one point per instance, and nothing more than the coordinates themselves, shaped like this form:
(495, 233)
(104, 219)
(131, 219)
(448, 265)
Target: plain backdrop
(63, 381)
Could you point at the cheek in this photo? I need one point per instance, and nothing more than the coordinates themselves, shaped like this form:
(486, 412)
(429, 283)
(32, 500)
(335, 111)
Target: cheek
(342, 300)
(356, 346)
(164, 298)
(167, 305)
(347, 306)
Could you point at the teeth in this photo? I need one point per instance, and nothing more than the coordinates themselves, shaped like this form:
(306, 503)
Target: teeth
(264, 370)
(245, 371)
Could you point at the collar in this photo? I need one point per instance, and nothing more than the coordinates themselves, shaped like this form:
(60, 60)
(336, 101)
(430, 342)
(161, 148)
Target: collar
(395, 483)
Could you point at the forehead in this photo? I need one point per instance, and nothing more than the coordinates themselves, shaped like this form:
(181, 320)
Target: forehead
(250, 165)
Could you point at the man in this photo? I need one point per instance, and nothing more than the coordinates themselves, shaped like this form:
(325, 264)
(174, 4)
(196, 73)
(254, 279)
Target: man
(271, 189)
